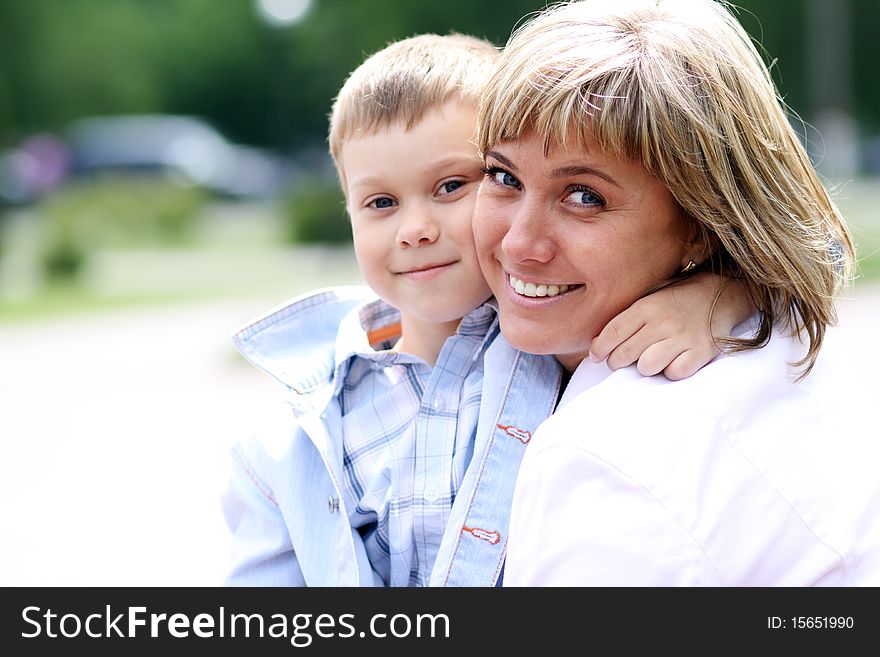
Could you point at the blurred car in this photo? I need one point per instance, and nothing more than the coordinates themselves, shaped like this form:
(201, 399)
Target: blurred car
(182, 148)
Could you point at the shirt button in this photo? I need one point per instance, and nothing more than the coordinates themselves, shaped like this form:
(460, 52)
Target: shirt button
(432, 495)
(333, 504)
(438, 403)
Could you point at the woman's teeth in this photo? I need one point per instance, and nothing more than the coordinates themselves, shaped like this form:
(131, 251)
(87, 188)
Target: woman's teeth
(533, 290)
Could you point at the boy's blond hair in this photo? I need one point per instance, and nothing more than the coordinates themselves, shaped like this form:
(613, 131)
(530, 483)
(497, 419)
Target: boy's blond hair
(678, 87)
(404, 81)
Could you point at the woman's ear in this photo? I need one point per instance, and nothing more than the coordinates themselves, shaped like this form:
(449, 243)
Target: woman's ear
(700, 246)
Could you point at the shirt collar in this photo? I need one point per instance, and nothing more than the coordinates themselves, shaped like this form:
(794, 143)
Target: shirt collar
(587, 375)
(375, 328)
(479, 321)
(377, 321)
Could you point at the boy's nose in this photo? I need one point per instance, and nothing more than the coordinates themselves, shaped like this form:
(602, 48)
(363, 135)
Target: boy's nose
(417, 228)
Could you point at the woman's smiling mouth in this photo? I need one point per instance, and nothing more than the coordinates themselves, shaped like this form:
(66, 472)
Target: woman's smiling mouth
(535, 290)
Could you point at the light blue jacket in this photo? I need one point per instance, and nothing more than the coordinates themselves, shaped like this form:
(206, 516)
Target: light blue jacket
(284, 504)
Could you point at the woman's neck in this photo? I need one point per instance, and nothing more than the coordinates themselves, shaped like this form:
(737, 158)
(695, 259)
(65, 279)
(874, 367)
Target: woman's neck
(563, 384)
(570, 362)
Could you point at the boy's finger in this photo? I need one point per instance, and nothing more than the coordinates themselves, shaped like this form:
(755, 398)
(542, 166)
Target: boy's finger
(631, 349)
(686, 365)
(657, 356)
(621, 328)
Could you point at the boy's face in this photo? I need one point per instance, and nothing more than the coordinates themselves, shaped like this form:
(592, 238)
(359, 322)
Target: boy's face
(410, 195)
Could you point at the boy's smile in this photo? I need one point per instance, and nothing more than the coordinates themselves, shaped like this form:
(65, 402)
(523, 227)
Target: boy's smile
(425, 272)
(410, 195)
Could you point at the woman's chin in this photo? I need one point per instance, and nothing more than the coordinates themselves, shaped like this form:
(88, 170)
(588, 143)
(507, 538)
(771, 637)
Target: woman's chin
(531, 339)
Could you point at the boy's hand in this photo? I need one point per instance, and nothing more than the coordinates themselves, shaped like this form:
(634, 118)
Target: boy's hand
(669, 330)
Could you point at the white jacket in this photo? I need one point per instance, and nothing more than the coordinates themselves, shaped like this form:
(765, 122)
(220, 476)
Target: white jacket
(735, 477)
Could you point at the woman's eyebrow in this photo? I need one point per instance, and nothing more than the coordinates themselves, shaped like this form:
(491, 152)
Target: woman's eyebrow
(498, 156)
(577, 170)
(561, 172)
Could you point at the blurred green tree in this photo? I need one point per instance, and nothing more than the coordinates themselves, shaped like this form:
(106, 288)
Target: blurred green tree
(272, 86)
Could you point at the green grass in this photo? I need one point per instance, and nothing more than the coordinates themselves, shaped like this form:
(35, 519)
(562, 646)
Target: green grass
(869, 268)
(60, 299)
(237, 252)
(859, 202)
(123, 279)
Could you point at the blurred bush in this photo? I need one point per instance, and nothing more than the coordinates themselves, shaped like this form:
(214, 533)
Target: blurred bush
(314, 211)
(65, 250)
(118, 212)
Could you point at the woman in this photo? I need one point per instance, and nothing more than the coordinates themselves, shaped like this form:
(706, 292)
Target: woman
(627, 145)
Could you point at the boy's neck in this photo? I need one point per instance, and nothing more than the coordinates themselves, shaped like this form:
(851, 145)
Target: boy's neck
(424, 339)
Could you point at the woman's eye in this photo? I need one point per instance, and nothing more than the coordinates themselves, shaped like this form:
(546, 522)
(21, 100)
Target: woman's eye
(506, 179)
(451, 186)
(381, 203)
(502, 177)
(585, 197)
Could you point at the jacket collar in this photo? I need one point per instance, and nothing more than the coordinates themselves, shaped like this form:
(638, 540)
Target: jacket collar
(307, 342)
(296, 342)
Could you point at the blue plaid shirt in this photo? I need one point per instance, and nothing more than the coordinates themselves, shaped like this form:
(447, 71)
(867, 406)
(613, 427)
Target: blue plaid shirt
(339, 488)
(408, 436)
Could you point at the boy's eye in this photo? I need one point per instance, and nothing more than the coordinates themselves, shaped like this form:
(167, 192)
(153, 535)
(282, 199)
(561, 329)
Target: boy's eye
(584, 196)
(381, 203)
(502, 177)
(450, 186)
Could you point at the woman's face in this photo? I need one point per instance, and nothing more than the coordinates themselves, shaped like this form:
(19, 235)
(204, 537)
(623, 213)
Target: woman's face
(569, 240)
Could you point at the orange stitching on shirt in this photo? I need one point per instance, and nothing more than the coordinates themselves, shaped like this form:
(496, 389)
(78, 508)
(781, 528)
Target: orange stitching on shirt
(515, 432)
(500, 565)
(383, 333)
(483, 534)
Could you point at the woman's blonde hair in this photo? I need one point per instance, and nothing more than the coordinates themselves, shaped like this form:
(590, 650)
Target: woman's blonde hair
(404, 81)
(679, 87)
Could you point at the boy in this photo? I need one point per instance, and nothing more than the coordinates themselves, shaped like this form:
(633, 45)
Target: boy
(407, 417)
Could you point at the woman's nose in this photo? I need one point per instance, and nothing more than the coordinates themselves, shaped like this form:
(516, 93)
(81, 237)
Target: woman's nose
(527, 236)
(417, 227)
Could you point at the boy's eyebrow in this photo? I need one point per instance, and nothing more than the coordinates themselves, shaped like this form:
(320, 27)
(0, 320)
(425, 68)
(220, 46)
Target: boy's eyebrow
(561, 172)
(366, 180)
(455, 160)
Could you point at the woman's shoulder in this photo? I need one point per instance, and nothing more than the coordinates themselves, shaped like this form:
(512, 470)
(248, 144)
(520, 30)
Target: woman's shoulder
(739, 440)
(741, 415)
(733, 383)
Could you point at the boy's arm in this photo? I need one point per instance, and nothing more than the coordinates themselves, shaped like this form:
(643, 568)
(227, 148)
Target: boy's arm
(261, 550)
(669, 330)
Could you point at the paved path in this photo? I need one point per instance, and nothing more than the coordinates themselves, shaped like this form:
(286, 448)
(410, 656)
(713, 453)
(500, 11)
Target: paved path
(115, 430)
